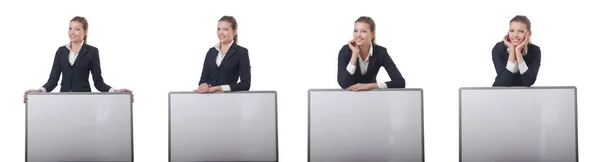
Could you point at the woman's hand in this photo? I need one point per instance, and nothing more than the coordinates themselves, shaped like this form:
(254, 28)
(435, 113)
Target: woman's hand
(507, 43)
(523, 44)
(520, 48)
(126, 90)
(353, 47)
(355, 51)
(214, 89)
(202, 88)
(30, 90)
(511, 49)
(362, 86)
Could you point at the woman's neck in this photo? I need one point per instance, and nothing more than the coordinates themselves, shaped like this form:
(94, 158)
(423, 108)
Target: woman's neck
(364, 51)
(224, 46)
(75, 46)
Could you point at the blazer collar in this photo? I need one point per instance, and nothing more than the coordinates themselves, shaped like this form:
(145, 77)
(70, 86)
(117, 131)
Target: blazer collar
(218, 46)
(230, 51)
(68, 45)
(83, 50)
(372, 56)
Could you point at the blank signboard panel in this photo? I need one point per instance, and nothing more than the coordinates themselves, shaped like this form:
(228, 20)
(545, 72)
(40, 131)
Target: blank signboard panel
(376, 125)
(238, 126)
(86, 127)
(518, 124)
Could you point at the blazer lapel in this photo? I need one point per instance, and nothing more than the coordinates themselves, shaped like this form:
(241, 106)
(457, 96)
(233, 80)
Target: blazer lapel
(82, 52)
(230, 52)
(372, 62)
(357, 70)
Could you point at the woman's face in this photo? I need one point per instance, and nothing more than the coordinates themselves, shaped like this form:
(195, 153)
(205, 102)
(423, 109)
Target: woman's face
(225, 32)
(363, 33)
(76, 32)
(517, 32)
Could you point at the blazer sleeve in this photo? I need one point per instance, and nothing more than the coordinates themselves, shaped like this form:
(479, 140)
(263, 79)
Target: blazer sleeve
(205, 74)
(344, 78)
(54, 73)
(244, 72)
(393, 72)
(529, 77)
(503, 76)
(97, 72)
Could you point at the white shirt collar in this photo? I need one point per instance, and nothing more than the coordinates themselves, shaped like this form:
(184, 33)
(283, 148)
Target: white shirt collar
(218, 46)
(68, 45)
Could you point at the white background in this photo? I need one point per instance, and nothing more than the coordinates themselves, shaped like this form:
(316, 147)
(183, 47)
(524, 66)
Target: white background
(157, 47)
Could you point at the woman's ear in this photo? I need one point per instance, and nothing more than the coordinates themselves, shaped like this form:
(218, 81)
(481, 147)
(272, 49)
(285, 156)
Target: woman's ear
(373, 36)
(529, 33)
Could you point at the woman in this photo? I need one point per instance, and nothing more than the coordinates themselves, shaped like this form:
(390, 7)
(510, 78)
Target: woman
(360, 60)
(226, 62)
(75, 61)
(516, 59)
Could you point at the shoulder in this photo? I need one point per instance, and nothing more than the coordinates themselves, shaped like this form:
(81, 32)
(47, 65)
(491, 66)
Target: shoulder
(62, 49)
(381, 52)
(345, 47)
(533, 48)
(499, 48)
(241, 49)
(211, 50)
(379, 49)
(345, 50)
(500, 45)
(90, 48)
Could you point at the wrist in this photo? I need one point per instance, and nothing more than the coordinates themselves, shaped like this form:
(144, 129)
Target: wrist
(519, 53)
(520, 48)
(374, 85)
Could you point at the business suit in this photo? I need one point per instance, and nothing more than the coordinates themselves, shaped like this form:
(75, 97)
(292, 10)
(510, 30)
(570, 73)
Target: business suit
(380, 58)
(75, 77)
(235, 65)
(505, 77)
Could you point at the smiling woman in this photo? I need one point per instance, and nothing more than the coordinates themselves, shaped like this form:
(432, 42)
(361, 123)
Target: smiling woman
(516, 59)
(370, 57)
(75, 61)
(226, 62)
